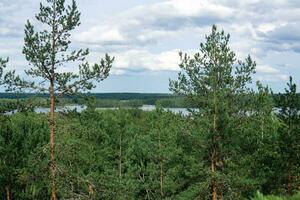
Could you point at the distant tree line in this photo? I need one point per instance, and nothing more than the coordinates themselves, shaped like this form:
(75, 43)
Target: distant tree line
(114, 96)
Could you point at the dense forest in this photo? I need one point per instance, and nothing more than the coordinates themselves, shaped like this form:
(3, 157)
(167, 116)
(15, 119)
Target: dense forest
(239, 140)
(131, 154)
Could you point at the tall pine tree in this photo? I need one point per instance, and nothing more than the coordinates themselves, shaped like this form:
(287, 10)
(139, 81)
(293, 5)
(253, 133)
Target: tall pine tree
(213, 80)
(49, 54)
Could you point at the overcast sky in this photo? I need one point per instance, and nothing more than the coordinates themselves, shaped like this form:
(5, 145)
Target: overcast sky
(145, 36)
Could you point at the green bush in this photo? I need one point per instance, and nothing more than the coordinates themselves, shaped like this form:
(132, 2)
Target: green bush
(260, 196)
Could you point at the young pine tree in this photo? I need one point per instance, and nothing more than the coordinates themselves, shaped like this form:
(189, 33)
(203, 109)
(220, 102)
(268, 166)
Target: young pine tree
(213, 81)
(259, 143)
(48, 53)
(289, 114)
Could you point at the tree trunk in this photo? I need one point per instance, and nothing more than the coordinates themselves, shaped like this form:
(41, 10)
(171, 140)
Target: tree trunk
(289, 186)
(213, 182)
(52, 109)
(214, 153)
(8, 195)
(52, 142)
(161, 180)
(91, 191)
(161, 168)
(120, 190)
(120, 157)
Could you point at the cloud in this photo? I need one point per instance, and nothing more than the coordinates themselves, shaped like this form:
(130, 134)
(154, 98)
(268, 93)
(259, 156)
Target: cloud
(266, 69)
(267, 73)
(142, 60)
(273, 78)
(283, 37)
(13, 15)
(146, 37)
(101, 35)
(142, 25)
(252, 23)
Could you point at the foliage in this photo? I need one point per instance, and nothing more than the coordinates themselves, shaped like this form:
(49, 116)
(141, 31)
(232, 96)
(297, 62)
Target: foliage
(288, 174)
(259, 196)
(21, 136)
(119, 154)
(217, 84)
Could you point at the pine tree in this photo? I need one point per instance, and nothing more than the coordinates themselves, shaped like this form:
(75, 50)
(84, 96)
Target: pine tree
(164, 133)
(259, 142)
(213, 81)
(289, 114)
(49, 54)
(3, 63)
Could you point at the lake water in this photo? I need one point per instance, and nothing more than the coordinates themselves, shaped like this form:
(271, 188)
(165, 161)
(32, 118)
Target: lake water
(184, 111)
(80, 108)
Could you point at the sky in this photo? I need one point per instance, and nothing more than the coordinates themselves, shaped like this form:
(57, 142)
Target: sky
(145, 37)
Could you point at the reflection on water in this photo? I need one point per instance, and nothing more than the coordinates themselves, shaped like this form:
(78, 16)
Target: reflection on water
(80, 108)
(184, 111)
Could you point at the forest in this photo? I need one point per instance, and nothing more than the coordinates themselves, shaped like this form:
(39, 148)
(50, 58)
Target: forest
(239, 141)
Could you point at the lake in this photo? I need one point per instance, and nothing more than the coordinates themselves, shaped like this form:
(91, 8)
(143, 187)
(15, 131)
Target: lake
(80, 108)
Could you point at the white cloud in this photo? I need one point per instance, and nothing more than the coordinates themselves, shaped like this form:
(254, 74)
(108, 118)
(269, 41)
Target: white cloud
(101, 34)
(266, 27)
(4, 7)
(141, 60)
(194, 8)
(146, 37)
(266, 69)
(250, 22)
(149, 23)
(273, 78)
(267, 73)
